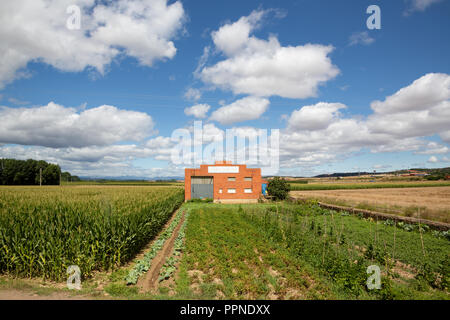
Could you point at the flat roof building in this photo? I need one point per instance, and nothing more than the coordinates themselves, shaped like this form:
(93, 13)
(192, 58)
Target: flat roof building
(224, 182)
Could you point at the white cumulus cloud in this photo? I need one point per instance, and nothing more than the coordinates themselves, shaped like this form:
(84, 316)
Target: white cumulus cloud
(193, 94)
(56, 126)
(111, 161)
(318, 133)
(420, 109)
(248, 108)
(314, 117)
(434, 148)
(198, 111)
(264, 67)
(35, 30)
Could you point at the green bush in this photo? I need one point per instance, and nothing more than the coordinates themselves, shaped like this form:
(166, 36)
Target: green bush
(278, 188)
(435, 177)
(204, 200)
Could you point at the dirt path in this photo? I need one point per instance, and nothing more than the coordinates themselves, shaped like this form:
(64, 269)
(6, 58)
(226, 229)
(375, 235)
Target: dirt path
(150, 281)
(14, 294)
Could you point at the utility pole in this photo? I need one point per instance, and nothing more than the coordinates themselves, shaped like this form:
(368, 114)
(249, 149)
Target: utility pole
(40, 177)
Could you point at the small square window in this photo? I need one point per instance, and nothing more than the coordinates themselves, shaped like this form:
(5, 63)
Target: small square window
(248, 191)
(220, 190)
(232, 190)
(248, 179)
(231, 178)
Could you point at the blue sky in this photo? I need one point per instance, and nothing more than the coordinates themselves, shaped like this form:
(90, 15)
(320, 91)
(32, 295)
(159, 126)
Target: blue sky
(104, 100)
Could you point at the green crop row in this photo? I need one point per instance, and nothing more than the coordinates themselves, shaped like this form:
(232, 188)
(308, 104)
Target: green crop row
(143, 265)
(169, 266)
(342, 246)
(45, 230)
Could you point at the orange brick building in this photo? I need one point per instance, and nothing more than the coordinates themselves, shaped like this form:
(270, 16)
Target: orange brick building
(224, 182)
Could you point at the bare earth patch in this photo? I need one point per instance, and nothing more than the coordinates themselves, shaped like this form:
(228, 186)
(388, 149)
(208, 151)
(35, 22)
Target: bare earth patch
(14, 294)
(149, 282)
(433, 201)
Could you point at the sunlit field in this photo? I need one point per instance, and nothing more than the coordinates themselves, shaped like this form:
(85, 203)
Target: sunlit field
(43, 230)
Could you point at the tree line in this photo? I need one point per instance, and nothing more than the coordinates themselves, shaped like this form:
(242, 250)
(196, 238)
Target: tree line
(27, 172)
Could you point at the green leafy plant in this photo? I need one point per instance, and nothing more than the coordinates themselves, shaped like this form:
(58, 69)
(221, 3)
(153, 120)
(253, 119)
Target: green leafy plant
(278, 188)
(144, 264)
(169, 266)
(204, 200)
(425, 276)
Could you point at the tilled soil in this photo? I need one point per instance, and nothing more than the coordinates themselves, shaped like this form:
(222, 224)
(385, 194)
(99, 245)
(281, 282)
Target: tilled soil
(435, 200)
(149, 282)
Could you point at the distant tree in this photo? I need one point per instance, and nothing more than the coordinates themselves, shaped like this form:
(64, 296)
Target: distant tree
(11, 167)
(66, 176)
(278, 188)
(19, 178)
(21, 172)
(50, 175)
(29, 169)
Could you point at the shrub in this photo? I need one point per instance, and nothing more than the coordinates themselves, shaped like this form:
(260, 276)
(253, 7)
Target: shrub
(278, 188)
(425, 276)
(204, 200)
(435, 177)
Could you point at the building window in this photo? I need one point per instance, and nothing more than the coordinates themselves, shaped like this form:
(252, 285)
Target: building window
(231, 178)
(247, 190)
(248, 179)
(232, 190)
(220, 190)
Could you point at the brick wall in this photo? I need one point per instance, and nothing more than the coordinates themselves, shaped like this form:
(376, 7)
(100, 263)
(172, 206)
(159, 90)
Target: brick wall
(221, 182)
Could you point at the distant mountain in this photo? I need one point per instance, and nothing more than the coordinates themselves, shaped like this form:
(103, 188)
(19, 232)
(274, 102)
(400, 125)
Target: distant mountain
(351, 174)
(347, 174)
(330, 175)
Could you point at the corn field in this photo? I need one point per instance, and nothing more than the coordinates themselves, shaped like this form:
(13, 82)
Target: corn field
(43, 230)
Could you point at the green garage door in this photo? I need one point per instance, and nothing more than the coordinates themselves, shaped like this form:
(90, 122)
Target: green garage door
(202, 187)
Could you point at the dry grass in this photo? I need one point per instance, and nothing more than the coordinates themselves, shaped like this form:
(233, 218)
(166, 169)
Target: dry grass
(434, 202)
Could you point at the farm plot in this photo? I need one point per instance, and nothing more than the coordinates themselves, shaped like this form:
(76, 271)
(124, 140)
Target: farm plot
(333, 185)
(307, 252)
(43, 230)
(226, 257)
(431, 202)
